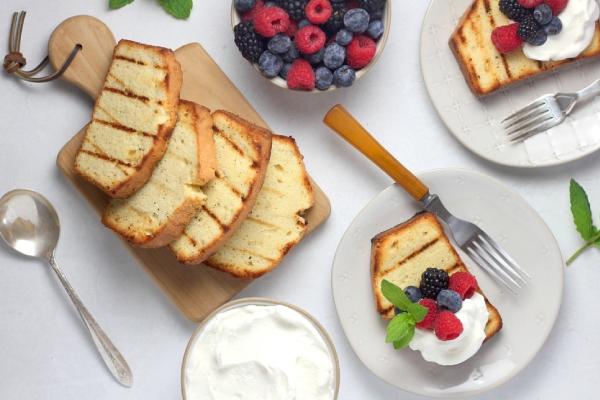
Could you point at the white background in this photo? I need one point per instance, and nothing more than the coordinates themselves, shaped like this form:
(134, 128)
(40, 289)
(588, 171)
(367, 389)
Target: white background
(44, 350)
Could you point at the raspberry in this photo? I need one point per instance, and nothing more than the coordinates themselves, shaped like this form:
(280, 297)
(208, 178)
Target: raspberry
(360, 51)
(250, 15)
(291, 31)
(431, 316)
(506, 39)
(310, 39)
(557, 6)
(530, 3)
(447, 326)
(318, 11)
(270, 21)
(301, 76)
(463, 283)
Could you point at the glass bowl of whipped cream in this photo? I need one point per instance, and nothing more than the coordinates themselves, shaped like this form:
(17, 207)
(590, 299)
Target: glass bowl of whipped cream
(257, 348)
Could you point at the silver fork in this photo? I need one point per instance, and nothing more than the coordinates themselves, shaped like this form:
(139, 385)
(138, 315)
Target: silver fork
(546, 112)
(470, 238)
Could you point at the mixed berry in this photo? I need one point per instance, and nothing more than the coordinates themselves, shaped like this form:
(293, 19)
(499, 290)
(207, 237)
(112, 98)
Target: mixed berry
(310, 43)
(443, 296)
(534, 21)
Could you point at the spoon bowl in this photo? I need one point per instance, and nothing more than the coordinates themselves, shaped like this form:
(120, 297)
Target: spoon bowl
(29, 223)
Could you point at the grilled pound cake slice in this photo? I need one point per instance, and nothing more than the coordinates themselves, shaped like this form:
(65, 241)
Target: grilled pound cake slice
(158, 213)
(132, 119)
(403, 253)
(487, 70)
(243, 152)
(276, 223)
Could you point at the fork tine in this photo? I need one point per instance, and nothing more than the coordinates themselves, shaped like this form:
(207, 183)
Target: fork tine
(525, 109)
(490, 269)
(530, 125)
(527, 117)
(540, 128)
(493, 263)
(510, 262)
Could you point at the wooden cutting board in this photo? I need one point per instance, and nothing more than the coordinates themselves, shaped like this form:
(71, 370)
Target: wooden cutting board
(195, 290)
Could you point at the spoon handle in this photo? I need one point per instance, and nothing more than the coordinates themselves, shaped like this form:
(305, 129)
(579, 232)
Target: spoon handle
(109, 353)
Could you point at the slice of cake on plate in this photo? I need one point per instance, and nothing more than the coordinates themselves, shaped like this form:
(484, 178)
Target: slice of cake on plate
(501, 42)
(419, 259)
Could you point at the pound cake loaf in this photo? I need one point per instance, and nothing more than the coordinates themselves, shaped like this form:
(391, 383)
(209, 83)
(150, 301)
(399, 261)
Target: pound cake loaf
(484, 67)
(242, 151)
(276, 222)
(158, 213)
(401, 255)
(132, 120)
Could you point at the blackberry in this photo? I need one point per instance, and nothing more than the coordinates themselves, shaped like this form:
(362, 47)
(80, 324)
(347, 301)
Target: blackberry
(528, 29)
(513, 10)
(336, 21)
(295, 8)
(433, 281)
(250, 44)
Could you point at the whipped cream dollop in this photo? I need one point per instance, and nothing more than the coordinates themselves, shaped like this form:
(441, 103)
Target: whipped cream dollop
(579, 25)
(259, 353)
(474, 316)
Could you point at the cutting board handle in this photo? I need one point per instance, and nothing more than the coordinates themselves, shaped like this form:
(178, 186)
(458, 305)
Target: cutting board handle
(91, 64)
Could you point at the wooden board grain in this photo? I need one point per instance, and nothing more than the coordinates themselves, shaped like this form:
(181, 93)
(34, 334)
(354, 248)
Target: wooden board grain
(195, 290)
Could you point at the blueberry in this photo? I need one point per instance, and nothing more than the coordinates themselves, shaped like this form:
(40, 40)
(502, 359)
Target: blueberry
(413, 293)
(356, 20)
(279, 44)
(270, 4)
(344, 76)
(343, 37)
(324, 78)
(542, 14)
(291, 55)
(554, 27)
(449, 300)
(244, 5)
(377, 14)
(334, 56)
(539, 39)
(375, 29)
(316, 58)
(270, 64)
(284, 70)
(303, 23)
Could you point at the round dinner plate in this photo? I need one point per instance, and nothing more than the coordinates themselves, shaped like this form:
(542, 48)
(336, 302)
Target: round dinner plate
(528, 318)
(476, 122)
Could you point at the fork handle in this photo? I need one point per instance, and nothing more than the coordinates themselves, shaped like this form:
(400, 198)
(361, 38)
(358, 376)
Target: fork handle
(342, 122)
(589, 92)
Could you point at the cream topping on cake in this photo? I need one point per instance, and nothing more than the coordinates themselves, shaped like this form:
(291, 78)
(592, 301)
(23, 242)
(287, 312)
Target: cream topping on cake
(579, 26)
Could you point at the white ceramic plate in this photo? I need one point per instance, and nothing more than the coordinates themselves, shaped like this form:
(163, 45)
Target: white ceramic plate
(528, 319)
(476, 122)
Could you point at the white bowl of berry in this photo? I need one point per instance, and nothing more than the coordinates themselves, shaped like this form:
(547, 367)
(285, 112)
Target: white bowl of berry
(311, 45)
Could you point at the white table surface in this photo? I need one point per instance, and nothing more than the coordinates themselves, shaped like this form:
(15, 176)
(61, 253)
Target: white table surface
(44, 350)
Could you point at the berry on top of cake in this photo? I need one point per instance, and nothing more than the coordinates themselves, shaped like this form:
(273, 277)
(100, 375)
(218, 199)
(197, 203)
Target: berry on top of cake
(312, 44)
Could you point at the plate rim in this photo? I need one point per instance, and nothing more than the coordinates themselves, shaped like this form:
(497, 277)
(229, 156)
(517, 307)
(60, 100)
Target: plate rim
(554, 315)
(463, 142)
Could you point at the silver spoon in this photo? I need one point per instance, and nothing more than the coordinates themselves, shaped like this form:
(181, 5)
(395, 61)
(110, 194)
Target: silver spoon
(29, 224)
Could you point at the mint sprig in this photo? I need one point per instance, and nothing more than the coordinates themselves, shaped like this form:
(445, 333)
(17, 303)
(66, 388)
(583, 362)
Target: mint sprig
(582, 217)
(180, 9)
(401, 328)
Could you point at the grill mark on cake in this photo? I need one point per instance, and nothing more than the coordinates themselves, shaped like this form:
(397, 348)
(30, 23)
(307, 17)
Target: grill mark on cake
(123, 128)
(141, 213)
(252, 253)
(106, 157)
(234, 145)
(271, 190)
(129, 59)
(506, 66)
(263, 223)
(487, 6)
(417, 252)
(227, 183)
(116, 79)
(223, 226)
(127, 93)
(191, 239)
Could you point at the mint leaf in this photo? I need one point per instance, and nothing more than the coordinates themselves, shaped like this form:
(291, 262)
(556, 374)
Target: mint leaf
(582, 213)
(180, 9)
(395, 295)
(114, 4)
(405, 341)
(417, 311)
(401, 326)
